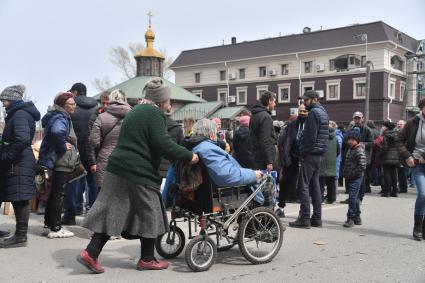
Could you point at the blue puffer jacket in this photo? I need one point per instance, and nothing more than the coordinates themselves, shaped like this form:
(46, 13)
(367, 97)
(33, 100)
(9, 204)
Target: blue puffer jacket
(340, 139)
(57, 125)
(17, 159)
(315, 135)
(222, 168)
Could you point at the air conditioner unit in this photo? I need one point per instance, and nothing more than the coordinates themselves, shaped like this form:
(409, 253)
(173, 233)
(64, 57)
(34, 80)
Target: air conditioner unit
(232, 99)
(232, 76)
(272, 73)
(320, 67)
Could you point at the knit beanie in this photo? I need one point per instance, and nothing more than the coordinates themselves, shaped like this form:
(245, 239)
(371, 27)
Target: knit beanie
(354, 134)
(244, 121)
(389, 125)
(155, 90)
(117, 96)
(62, 97)
(12, 93)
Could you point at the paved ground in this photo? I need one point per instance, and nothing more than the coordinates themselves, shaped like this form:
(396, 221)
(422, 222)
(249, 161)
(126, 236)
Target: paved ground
(381, 250)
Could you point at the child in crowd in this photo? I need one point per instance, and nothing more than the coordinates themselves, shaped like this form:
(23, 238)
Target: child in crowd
(355, 166)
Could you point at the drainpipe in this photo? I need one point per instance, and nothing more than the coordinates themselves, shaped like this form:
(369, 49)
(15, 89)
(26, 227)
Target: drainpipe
(389, 84)
(299, 77)
(227, 82)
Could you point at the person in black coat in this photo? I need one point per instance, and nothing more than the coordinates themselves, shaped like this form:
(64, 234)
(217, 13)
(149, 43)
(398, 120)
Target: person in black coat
(175, 131)
(242, 149)
(289, 158)
(17, 160)
(262, 134)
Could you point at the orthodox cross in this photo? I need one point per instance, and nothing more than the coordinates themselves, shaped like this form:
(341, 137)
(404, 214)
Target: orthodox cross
(150, 15)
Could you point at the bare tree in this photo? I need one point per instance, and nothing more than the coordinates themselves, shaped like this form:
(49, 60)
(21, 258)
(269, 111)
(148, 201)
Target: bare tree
(123, 59)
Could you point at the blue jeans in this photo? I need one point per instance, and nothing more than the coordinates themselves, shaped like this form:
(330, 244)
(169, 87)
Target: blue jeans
(354, 197)
(418, 174)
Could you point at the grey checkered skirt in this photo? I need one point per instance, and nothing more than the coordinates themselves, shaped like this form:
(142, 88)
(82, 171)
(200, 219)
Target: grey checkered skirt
(128, 209)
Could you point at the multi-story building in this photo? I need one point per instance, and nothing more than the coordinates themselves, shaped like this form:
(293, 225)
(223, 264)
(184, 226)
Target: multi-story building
(331, 62)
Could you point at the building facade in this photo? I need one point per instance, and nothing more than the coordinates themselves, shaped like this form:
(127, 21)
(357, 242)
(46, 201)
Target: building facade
(331, 62)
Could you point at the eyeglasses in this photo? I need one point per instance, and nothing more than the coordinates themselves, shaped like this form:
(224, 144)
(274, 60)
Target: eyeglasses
(71, 104)
(303, 111)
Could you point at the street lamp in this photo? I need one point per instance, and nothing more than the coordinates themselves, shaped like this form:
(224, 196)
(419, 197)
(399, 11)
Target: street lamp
(363, 37)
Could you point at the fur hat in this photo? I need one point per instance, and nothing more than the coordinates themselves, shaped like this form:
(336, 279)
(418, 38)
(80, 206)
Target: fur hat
(244, 121)
(389, 125)
(14, 92)
(155, 90)
(62, 97)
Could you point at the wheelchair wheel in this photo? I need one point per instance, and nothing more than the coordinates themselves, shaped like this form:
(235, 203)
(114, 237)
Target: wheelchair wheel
(260, 235)
(200, 253)
(170, 244)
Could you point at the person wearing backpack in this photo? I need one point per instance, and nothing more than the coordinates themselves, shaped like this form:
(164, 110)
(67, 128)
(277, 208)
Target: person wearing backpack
(106, 129)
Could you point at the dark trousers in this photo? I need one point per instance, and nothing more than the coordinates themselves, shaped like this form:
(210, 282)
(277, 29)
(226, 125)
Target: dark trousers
(288, 184)
(52, 217)
(309, 186)
(98, 241)
(353, 197)
(390, 179)
(402, 173)
(368, 178)
(330, 183)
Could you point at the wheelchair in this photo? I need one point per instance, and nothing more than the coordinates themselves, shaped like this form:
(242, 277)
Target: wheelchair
(218, 218)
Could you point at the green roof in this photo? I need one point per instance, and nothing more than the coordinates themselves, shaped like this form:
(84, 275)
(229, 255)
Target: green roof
(229, 112)
(197, 110)
(133, 89)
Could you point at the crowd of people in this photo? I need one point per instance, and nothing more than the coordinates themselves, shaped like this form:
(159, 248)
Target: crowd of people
(106, 160)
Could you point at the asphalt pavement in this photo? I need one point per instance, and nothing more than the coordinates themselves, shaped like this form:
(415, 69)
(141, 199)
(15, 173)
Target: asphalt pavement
(381, 250)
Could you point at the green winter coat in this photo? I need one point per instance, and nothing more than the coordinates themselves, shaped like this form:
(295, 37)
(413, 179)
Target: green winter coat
(328, 164)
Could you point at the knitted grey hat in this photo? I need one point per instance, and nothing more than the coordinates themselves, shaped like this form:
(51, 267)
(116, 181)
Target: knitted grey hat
(14, 92)
(156, 91)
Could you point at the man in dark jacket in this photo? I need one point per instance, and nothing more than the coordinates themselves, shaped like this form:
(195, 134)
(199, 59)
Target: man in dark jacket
(313, 143)
(262, 134)
(372, 173)
(289, 158)
(86, 107)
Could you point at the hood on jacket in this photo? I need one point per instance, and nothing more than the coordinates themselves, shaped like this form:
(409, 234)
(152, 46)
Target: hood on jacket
(85, 101)
(332, 133)
(257, 108)
(193, 140)
(27, 106)
(119, 110)
(390, 134)
(53, 112)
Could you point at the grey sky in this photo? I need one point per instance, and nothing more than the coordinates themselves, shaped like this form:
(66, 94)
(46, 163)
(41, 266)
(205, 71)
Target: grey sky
(50, 44)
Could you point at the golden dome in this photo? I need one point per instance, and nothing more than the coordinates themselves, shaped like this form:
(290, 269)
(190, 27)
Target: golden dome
(149, 51)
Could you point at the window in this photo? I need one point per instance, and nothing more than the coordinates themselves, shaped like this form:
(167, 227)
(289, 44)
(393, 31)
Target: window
(391, 94)
(241, 73)
(332, 65)
(359, 88)
(262, 71)
(222, 75)
(241, 95)
(333, 89)
(284, 94)
(197, 77)
(307, 86)
(307, 66)
(402, 90)
(363, 62)
(397, 63)
(284, 68)
(222, 95)
(261, 89)
(198, 93)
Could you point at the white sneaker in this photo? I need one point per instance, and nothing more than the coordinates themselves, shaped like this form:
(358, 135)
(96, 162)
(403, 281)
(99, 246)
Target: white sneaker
(62, 233)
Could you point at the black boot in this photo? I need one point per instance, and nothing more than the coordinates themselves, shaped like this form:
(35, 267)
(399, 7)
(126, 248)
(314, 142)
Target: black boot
(4, 234)
(301, 223)
(22, 212)
(417, 228)
(423, 229)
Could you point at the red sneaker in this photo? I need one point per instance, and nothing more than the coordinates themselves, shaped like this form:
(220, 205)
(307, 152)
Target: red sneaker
(91, 264)
(152, 265)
